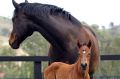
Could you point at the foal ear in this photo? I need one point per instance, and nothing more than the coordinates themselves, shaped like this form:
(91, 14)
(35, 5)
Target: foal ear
(78, 44)
(89, 44)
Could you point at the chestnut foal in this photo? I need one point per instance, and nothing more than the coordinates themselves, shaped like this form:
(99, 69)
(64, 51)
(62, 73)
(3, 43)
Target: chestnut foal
(78, 70)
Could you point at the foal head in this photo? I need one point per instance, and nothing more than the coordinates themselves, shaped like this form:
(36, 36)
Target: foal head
(84, 57)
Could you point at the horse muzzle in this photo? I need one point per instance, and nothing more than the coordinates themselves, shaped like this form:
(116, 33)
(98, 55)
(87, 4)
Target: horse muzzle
(12, 41)
(13, 45)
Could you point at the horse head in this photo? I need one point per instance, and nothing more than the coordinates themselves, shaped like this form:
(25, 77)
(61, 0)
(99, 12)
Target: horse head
(30, 17)
(21, 26)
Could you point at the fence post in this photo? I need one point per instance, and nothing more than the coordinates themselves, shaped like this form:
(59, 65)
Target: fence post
(37, 70)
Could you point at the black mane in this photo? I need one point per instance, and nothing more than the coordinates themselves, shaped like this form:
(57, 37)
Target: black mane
(43, 10)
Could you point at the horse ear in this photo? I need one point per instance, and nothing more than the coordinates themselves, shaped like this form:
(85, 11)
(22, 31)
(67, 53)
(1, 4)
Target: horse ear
(16, 5)
(89, 44)
(26, 1)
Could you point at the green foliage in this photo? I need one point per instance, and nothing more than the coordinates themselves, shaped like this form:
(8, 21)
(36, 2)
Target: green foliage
(108, 68)
(4, 52)
(17, 69)
(36, 45)
(109, 44)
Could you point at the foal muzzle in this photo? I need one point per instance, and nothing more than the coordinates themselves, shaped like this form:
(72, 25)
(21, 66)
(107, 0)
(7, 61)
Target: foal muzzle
(84, 66)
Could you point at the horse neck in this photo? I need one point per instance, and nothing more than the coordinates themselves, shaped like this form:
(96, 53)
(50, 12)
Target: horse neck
(56, 30)
(67, 31)
(44, 27)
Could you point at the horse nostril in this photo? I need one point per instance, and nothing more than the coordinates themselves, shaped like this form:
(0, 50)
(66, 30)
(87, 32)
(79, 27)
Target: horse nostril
(84, 66)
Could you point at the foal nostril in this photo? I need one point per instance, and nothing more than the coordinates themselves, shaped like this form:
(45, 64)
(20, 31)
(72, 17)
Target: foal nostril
(84, 66)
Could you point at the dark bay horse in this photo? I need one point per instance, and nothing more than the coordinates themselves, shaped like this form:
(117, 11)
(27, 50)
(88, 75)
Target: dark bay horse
(78, 70)
(58, 27)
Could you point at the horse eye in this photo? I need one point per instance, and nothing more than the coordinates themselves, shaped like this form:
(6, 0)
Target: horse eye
(13, 19)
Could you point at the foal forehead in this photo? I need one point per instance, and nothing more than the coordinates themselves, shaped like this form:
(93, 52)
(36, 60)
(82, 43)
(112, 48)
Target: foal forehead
(84, 49)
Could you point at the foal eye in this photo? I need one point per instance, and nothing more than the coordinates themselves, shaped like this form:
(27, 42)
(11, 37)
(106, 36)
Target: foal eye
(89, 54)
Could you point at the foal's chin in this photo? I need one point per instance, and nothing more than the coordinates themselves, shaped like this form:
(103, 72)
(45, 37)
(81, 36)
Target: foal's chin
(84, 71)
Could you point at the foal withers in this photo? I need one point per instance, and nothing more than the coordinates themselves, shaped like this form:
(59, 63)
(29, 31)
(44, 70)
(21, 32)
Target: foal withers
(79, 70)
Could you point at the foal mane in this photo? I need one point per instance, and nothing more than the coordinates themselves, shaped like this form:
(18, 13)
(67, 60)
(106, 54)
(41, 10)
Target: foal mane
(42, 10)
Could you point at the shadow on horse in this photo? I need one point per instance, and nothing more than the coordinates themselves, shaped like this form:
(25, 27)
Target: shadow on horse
(58, 27)
(78, 70)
